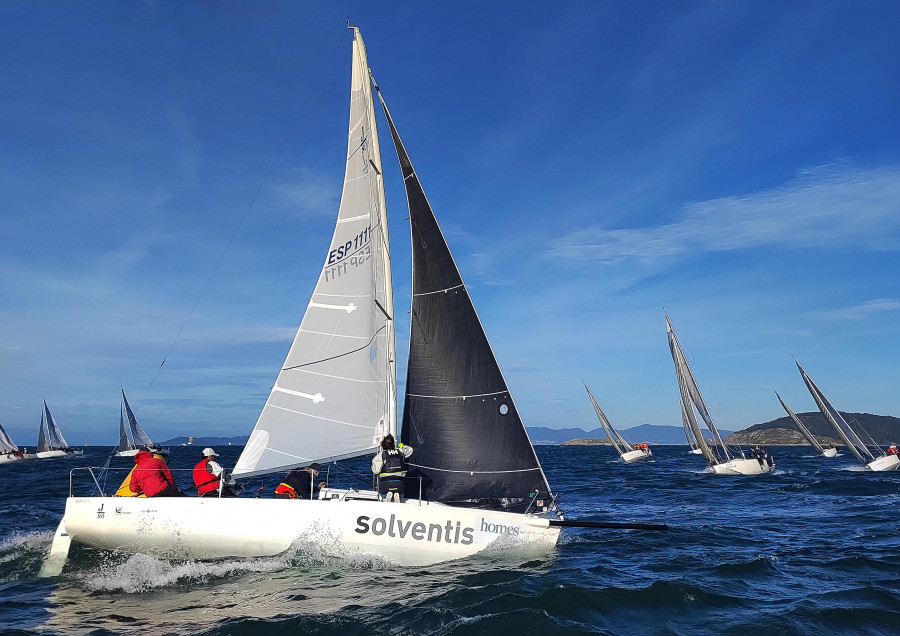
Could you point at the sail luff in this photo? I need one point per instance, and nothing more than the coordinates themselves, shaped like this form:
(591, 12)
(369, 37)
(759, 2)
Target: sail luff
(479, 453)
(836, 419)
(334, 395)
(801, 427)
(611, 434)
(57, 441)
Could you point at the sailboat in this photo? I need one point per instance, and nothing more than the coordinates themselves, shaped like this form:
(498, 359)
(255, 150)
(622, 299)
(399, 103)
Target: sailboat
(474, 476)
(825, 450)
(132, 437)
(9, 452)
(882, 462)
(51, 442)
(721, 458)
(627, 451)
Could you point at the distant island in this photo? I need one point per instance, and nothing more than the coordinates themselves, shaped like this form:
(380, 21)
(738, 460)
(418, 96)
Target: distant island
(884, 429)
(582, 441)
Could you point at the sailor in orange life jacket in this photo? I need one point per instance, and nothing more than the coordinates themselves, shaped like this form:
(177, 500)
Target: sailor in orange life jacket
(208, 477)
(298, 483)
(390, 466)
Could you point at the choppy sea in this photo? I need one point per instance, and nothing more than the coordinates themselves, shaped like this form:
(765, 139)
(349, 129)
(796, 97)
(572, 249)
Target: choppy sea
(812, 548)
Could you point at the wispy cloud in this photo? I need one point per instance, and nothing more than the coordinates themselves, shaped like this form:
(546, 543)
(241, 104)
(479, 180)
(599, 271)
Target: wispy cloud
(828, 206)
(864, 311)
(309, 193)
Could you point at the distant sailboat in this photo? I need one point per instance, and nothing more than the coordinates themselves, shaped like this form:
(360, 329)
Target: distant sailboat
(9, 452)
(826, 450)
(132, 437)
(51, 442)
(721, 459)
(883, 462)
(627, 451)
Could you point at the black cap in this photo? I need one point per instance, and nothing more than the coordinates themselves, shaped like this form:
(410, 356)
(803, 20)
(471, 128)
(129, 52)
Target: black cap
(316, 467)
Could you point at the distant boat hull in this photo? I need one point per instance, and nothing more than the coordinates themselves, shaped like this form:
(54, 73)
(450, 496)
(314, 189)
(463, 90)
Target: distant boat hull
(194, 528)
(884, 463)
(7, 459)
(51, 454)
(830, 452)
(695, 451)
(128, 453)
(636, 456)
(742, 467)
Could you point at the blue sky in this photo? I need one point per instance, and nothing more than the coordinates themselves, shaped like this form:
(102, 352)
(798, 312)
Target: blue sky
(590, 163)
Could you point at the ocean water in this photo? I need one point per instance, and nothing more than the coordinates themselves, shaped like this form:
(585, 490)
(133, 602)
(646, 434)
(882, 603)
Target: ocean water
(813, 547)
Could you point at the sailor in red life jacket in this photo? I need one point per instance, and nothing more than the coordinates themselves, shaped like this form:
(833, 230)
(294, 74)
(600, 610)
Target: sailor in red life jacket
(390, 466)
(892, 450)
(151, 476)
(208, 477)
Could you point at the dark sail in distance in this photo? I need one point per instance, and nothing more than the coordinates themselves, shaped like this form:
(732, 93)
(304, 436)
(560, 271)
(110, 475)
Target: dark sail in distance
(470, 446)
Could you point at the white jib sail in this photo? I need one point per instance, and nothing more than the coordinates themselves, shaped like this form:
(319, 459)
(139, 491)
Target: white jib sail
(336, 393)
(6, 443)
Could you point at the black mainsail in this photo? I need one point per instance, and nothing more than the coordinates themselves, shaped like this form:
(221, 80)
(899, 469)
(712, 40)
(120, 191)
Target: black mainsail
(471, 448)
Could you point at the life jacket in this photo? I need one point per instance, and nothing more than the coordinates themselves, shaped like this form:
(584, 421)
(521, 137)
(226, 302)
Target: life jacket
(392, 464)
(284, 489)
(204, 480)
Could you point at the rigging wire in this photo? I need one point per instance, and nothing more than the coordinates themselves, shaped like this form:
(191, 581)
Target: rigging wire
(224, 251)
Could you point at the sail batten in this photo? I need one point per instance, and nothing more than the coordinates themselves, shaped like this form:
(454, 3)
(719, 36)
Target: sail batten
(340, 369)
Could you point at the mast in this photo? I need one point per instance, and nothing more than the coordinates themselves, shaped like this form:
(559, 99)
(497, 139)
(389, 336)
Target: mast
(471, 447)
(801, 427)
(691, 399)
(836, 419)
(335, 396)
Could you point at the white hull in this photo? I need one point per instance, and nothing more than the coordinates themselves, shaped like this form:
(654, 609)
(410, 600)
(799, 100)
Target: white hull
(194, 528)
(741, 467)
(51, 454)
(6, 459)
(695, 451)
(884, 463)
(636, 456)
(128, 453)
(830, 452)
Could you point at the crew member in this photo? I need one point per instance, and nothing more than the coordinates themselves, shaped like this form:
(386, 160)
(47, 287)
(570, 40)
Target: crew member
(211, 479)
(298, 483)
(390, 466)
(151, 476)
(892, 450)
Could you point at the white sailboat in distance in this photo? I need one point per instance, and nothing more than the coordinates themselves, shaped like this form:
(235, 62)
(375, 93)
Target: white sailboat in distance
(880, 462)
(132, 436)
(629, 452)
(9, 451)
(824, 449)
(721, 458)
(474, 476)
(51, 442)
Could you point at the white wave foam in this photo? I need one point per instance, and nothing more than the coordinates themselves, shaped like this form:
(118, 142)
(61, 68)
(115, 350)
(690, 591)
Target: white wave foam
(143, 572)
(13, 546)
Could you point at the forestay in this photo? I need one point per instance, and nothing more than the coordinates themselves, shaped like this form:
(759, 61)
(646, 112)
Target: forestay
(801, 426)
(471, 448)
(336, 392)
(850, 438)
